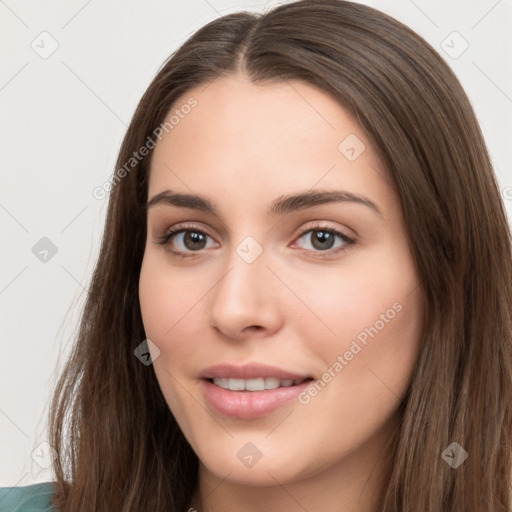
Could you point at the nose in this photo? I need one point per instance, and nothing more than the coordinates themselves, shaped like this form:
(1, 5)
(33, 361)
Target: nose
(245, 303)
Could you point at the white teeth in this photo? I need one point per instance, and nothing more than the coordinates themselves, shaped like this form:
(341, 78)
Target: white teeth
(222, 382)
(258, 384)
(254, 385)
(236, 384)
(272, 383)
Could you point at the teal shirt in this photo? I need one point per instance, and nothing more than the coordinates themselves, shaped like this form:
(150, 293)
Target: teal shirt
(30, 498)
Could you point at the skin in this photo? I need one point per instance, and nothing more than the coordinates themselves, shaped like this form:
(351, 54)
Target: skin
(243, 146)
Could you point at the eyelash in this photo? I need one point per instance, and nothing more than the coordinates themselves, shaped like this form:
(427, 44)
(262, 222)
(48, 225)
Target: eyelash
(163, 240)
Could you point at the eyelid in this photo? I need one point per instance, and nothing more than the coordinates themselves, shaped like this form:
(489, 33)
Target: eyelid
(179, 228)
(318, 225)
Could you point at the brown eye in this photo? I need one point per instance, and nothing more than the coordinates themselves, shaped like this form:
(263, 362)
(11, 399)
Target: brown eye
(193, 240)
(188, 240)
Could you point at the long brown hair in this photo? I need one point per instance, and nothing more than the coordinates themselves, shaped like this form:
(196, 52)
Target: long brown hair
(119, 446)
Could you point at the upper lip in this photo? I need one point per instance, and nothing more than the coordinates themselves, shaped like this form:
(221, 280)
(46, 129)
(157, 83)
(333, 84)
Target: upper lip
(248, 371)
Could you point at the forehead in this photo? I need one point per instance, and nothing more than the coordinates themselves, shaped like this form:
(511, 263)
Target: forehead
(262, 138)
(267, 115)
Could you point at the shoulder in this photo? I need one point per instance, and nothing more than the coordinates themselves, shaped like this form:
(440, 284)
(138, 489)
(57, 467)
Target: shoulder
(29, 498)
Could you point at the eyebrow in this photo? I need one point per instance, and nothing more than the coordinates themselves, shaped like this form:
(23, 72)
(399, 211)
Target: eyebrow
(281, 206)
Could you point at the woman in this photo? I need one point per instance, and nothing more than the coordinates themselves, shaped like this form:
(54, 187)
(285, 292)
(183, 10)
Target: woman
(302, 299)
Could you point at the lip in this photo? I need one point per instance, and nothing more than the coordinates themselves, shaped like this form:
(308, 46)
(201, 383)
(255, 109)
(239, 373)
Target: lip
(249, 371)
(249, 405)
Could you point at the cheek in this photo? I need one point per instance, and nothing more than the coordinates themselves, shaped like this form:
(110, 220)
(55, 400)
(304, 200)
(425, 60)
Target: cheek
(364, 369)
(167, 299)
(371, 316)
(349, 300)
(167, 304)
(172, 308)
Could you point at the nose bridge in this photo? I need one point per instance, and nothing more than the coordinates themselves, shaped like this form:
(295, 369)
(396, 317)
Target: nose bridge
(244, 297)
(246, 269)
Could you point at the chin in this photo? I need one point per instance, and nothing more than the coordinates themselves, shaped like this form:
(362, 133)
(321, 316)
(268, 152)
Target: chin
(257, 463)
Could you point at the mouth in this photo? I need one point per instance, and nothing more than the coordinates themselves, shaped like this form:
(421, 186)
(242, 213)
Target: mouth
(250, 391)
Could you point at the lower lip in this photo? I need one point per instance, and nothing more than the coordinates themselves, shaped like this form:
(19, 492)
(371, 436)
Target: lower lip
(248, 405)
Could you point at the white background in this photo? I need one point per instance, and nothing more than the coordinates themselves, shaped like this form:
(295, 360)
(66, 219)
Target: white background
(62, 122)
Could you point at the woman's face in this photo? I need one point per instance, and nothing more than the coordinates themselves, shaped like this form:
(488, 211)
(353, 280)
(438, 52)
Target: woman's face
(289, 267)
